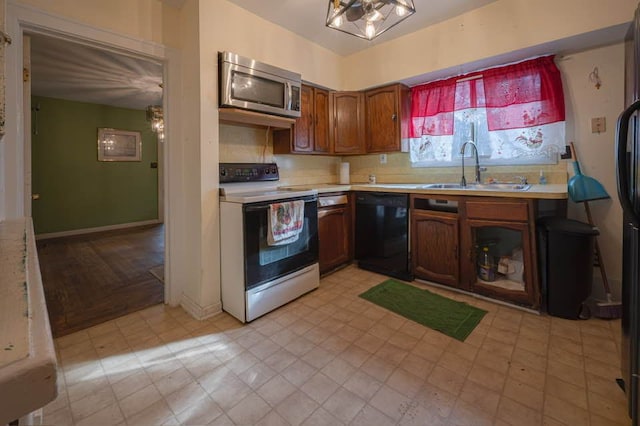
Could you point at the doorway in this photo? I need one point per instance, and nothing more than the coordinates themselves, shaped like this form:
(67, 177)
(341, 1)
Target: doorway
(98, 223)
(16, 156)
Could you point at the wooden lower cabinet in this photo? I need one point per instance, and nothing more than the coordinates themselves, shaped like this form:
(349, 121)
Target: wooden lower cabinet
(435, 246)
(501, 258)
(482, 245)
(510, 273)
(334, 234)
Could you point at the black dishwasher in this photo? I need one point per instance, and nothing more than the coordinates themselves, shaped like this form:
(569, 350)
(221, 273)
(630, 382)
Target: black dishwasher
(382, 233)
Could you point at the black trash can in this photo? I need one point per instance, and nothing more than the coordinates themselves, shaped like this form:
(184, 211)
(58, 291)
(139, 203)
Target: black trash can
(565, 259)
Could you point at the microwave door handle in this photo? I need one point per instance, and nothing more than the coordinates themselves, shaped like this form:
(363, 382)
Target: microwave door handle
(623, 173)
(288, 96)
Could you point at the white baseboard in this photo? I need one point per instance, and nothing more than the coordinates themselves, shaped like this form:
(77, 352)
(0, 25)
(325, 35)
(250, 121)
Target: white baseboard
(197, 311)
(96, 229)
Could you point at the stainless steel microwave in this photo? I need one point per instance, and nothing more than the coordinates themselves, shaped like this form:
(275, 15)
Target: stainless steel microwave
(252, 85)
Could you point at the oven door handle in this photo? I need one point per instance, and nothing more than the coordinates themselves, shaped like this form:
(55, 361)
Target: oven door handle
(253, 207)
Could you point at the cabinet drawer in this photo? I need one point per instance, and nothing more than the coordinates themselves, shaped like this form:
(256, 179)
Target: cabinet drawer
(498, 210)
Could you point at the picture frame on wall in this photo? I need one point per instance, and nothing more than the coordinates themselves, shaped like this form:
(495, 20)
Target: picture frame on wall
(119, 145)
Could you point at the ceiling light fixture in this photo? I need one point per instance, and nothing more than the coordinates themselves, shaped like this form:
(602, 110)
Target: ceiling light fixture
(156, 116)
(367, 19)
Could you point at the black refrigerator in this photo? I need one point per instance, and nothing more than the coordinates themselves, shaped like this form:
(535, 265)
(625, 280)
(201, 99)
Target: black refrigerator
(628, 178)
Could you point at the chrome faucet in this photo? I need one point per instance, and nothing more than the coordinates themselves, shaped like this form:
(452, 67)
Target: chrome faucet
(463, 181)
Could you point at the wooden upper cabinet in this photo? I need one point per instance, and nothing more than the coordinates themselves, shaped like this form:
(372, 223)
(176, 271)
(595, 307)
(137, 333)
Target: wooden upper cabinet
(388, 112)
(310, 133)
(347, 122)
(303, 137)
(321, 125)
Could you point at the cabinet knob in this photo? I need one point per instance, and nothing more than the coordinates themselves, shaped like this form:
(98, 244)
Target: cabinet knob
(394, 117)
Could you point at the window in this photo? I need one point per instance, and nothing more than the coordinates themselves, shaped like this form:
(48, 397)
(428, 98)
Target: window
(515, 115)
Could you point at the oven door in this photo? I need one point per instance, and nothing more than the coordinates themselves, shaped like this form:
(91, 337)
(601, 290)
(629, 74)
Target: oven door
(263, 262)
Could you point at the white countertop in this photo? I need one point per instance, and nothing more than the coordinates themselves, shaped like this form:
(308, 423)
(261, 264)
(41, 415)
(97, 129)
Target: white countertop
(550, 191)
(27, 354)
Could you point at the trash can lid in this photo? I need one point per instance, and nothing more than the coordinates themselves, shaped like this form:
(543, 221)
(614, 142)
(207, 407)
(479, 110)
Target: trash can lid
(567, 226)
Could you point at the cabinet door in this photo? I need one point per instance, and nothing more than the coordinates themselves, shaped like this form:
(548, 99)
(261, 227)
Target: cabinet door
(347, 135)
(321, 125)
(502, 262)
(435, 246)
(304, 127)
(334, 234)
(388, 111)
(383, 125)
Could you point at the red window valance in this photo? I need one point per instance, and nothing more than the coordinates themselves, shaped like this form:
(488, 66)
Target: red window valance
(520, 95)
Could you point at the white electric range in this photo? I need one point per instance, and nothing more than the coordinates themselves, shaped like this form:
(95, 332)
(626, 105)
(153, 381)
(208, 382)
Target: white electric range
(256, 277)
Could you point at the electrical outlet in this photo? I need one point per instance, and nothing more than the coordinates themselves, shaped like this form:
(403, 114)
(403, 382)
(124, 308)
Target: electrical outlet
(383, 158)
(598, 125)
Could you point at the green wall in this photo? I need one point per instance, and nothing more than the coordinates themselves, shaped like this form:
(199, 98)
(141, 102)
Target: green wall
(76, 190)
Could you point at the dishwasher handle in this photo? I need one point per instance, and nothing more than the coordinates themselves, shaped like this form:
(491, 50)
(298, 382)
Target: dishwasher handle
(386, 199)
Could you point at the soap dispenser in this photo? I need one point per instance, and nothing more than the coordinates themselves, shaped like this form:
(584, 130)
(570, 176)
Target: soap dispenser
(543, 179)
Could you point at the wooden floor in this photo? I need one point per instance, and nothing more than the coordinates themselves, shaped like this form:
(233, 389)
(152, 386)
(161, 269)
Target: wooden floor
(92, 278)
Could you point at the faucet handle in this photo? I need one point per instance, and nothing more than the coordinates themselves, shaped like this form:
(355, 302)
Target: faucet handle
(522, 179)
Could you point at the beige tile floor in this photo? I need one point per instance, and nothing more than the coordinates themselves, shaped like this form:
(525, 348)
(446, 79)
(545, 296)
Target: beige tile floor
(331, 358)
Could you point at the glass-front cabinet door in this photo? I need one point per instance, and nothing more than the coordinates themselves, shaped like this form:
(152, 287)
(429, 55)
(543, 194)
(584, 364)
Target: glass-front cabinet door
(502, 260)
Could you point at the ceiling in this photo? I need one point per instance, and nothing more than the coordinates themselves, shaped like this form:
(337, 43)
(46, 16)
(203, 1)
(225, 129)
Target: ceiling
(307, 18)
(66, 70)
(69, 70)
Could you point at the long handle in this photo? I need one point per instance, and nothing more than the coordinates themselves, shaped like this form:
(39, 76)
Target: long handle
(264, 205)
(288, 98)
(574, 155)
(603, 271)
(622, 175)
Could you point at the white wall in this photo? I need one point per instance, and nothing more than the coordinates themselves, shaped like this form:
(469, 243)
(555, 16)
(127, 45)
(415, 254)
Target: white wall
(229, 27)
(3, 206)
(140, 18)
(191, 262)
(500, 28)
(207, 28)
(596, 151)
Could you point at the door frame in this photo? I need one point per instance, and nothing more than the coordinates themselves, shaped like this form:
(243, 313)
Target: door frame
(21, 19)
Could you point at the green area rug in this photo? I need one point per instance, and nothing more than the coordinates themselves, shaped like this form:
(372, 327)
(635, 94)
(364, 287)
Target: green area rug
(455, 319)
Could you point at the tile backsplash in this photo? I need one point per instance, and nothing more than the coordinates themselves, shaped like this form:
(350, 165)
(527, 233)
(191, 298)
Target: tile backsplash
(239, 143)
(252, 144)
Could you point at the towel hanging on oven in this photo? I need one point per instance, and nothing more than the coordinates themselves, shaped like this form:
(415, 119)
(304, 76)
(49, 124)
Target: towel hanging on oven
(285, 220)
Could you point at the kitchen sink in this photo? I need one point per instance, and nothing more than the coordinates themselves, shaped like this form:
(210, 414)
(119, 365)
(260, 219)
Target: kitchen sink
(499, 186)
(442, 186)
(480, 186)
